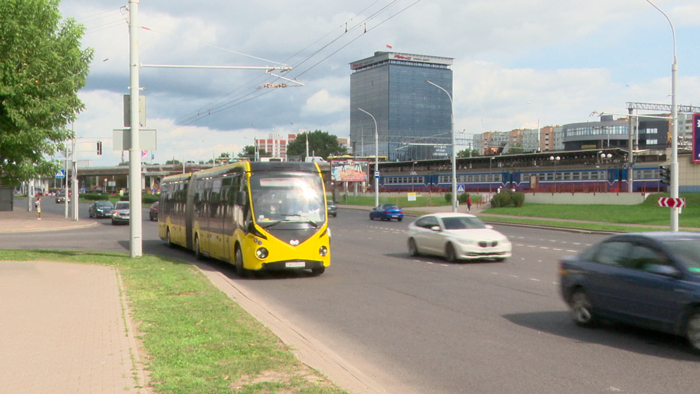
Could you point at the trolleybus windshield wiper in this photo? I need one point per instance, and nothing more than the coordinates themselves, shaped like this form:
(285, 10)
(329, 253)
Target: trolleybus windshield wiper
(309, 221)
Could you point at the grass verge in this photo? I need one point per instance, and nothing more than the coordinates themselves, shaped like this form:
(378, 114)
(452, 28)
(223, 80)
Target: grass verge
(197, 339)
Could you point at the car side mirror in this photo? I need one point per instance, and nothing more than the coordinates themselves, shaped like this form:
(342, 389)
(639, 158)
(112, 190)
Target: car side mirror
(241, 198)
(664, 270)
(435, 228)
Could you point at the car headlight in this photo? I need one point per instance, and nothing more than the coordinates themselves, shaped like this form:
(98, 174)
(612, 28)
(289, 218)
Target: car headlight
(262, 253)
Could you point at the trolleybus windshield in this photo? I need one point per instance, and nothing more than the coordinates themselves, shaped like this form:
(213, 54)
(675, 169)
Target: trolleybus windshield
(296, 197)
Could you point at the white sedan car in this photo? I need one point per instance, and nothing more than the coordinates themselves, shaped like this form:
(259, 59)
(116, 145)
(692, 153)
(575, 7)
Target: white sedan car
(457, 236)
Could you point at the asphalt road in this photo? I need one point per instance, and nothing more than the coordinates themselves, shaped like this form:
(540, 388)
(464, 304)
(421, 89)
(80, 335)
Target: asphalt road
(422, 325)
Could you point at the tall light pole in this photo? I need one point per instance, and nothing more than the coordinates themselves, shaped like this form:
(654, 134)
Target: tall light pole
(555, 160)
(674, 125)
(376, 159)
(135, 149)
(454, 151)
(490, 175)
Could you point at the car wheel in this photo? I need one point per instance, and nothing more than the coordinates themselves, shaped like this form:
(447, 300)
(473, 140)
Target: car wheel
(113, 222)
(692, 329)
(168, 240)
(450, 254)
(240, 271)
(581, 309)
(318, 271)
(197, 251)
(499, 259)
(90, 214)
(370, 217)
(412, 247)
(335, 215)
(400, 219)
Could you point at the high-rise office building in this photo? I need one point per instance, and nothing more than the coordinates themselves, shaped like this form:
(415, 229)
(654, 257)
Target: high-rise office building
(413, 117)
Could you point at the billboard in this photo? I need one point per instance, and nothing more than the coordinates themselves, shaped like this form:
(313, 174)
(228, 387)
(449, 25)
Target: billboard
(696, 138)
(349, 171)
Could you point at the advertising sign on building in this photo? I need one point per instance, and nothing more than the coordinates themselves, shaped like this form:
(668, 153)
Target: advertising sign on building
(349, 171)
(696, 138)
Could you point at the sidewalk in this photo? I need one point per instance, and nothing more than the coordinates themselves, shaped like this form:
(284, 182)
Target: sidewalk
(20, 220)
(64, 327)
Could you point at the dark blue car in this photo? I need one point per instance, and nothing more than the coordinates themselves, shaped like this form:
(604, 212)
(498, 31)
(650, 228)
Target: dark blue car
(651, 280)
(386, 212)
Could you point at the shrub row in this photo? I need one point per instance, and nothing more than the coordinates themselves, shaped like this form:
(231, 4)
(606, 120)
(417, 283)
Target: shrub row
(508, 198)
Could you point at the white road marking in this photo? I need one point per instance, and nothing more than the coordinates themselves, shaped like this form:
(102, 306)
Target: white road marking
(536, 280)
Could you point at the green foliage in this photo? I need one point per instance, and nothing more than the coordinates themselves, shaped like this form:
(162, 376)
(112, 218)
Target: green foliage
(320, 144)
(150, 198)
(95, 197)
(42, 67)
(518, 199)
(468, 153)
(462, 198)
(502, 199)
(448, 197)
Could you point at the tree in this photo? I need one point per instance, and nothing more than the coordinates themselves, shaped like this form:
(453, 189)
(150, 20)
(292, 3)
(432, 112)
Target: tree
(42, 67)
(465, 153)
(320, 144)
(249, 152)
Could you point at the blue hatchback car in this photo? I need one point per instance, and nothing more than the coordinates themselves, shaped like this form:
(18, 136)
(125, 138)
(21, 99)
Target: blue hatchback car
(651, 280)
(386, 212)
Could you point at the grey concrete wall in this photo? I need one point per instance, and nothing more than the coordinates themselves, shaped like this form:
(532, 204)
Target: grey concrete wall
(586, 198)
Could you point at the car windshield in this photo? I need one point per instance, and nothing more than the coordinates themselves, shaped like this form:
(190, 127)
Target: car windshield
(103, 204)
(122, 205)
(688, 250)
(288, 197)
(462, 223)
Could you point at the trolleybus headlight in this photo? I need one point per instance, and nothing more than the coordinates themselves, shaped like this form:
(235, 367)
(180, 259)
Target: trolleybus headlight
(262, 253)
(323, 251)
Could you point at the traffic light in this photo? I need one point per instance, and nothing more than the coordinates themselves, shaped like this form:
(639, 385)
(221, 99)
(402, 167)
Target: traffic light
(665, 175)
(99, 147)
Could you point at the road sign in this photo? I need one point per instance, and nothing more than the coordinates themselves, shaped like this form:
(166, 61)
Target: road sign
(460, 189)
(376, 174)
(61, 174)
(672, 202)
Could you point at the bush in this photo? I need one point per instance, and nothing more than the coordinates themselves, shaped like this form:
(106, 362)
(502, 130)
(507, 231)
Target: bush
(518, 199)
(448, 197)
(95, 197)
(462, 198)
(508, 198)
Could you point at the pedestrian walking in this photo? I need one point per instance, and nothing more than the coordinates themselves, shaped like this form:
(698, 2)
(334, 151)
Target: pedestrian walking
(469, 203)
(37, 204)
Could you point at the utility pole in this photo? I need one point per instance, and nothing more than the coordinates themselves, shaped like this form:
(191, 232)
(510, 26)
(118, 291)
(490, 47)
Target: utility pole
(135, 241)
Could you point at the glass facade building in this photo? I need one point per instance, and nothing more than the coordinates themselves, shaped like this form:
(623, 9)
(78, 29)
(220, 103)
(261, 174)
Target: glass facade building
(413, 117)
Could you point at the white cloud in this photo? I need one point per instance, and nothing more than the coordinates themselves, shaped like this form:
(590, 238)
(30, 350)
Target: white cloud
(323, 103)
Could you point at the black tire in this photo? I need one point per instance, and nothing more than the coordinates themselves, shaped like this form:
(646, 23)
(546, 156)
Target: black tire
(240, 271)
(692, 329)
(113, 222)
(318, 271)
(499, 259)
(90, 214)
(581, 309)
(413, 248)
(400, 219)
(370, 217)
(197, 251)
(450, 254)
(168, 240)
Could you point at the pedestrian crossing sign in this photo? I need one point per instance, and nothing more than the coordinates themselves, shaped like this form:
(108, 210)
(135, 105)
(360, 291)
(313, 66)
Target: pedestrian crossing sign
(61, 174)
(460, 189)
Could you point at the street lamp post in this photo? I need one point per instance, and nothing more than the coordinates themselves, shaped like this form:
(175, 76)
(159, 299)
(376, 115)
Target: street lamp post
(454, 151)
(490, 175)
(376, 159)
(674, 127)
(605, 159)
(555, 159)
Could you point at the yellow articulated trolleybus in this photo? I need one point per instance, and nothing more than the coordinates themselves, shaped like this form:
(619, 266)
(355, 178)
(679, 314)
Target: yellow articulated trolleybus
(260, 216)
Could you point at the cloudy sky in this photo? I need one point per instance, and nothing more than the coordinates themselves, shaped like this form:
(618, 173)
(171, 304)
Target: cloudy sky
(517, 63)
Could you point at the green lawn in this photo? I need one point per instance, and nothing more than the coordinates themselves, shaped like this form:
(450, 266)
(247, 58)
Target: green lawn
(647, 213)
(197, 339)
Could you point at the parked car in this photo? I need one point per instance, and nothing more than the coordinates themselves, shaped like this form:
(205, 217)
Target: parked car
(153, 212)
(121, 212)
(332, 208)
(61, 197)
(650, 280)
(457, 236)
(101, 209)
(386, 212)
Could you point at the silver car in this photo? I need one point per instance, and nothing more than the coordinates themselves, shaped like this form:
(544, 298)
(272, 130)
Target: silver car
(457, 236)
(120, 215)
